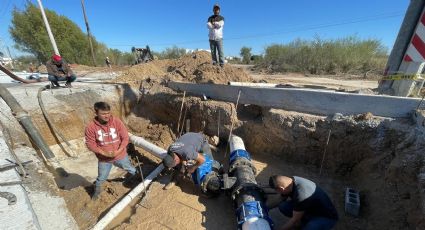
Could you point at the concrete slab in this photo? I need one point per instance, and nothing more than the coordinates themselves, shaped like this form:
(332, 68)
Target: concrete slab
(306, 100)
(83, 168)
(20, 215)
(35, 206)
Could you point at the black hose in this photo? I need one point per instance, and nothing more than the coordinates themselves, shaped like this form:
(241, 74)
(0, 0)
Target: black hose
(56, 132)
(13, 76)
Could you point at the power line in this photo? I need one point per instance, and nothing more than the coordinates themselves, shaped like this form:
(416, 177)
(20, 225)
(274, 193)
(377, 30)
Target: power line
(300, 29)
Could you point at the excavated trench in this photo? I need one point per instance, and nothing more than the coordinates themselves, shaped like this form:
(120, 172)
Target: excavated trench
(381, 158)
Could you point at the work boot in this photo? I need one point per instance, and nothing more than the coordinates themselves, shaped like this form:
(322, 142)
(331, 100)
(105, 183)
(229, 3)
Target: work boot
(130, 180)
(96, 192)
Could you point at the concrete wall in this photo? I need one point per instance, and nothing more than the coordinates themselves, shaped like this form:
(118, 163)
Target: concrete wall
(319, 102)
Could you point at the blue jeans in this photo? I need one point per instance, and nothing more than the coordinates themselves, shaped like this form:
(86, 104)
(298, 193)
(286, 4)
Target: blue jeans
(103, 169)
(308, 222)
(54, 79)
(217, 46)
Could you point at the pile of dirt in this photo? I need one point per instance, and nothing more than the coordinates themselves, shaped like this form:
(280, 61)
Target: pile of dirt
(158, 134)
(42, 69)
(194, 67)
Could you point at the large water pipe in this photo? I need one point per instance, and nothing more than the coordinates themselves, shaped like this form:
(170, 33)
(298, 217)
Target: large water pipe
(114, 211)
(247, 196)
(25, 120)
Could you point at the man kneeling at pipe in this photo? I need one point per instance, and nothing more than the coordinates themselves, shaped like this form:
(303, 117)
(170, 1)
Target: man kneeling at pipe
(107, 137)
(309, 206)
(191, 154)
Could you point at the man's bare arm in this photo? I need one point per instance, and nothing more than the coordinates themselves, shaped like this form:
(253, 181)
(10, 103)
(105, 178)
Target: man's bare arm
(294, 221)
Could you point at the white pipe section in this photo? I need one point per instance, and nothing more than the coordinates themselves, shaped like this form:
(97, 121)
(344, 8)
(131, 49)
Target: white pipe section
(256, 223)
(147, 146)
(236, 143)
(155, 150)
(127, 199)
(265, 85)
(49, 32)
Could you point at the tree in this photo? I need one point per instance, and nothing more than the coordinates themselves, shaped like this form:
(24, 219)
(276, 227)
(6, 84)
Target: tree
(29, 33)
(172, 53)
(246, 54)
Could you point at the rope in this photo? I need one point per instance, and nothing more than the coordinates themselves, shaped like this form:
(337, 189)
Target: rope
(324, 152)
(420, 103)
(180, 114)
(184, 118)
(218, 124)
(231, 125)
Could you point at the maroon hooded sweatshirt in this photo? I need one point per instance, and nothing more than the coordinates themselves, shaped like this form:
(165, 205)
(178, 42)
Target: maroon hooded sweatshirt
(108, 137)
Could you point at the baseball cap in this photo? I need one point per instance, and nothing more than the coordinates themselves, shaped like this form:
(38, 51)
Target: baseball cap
(56, 57)
(216, 6)
(168, 160)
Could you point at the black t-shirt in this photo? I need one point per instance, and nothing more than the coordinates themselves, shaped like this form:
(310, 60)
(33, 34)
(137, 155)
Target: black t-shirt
(188, 146)
(312, 200)
(215, 18)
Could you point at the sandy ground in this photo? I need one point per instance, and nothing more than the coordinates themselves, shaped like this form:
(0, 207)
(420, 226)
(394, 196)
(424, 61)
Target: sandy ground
(317, 82)
(183, 207)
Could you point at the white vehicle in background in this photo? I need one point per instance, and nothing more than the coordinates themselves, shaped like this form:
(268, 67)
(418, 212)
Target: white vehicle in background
(5, 60)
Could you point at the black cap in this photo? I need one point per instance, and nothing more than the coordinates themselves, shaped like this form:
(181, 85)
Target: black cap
(168, 160)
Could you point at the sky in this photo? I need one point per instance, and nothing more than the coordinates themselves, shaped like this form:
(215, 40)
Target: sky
(163, 23)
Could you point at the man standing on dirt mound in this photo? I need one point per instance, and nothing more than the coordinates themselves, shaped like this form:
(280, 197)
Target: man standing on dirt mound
(215, 26)
(107, 137)
(58, 70)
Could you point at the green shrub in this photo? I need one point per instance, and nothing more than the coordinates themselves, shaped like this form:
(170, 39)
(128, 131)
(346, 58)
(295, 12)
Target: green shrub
(346, 55)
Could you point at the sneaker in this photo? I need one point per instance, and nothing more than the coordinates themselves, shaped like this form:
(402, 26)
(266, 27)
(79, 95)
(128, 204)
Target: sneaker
(54, 84)
(68, 85)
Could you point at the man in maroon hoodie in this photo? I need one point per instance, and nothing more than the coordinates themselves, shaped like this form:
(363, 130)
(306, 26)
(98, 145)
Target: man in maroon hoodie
(107, 137)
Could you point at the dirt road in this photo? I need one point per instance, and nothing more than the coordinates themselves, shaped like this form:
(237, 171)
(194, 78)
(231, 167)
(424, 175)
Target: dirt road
(313, 81)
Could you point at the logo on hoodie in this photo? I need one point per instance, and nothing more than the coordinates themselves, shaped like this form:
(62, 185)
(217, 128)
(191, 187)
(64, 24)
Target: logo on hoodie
(102, 135)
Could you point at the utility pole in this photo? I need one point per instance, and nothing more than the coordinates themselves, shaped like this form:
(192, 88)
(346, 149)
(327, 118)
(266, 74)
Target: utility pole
(3, 50)
(52, 39)
(10, 56)
(395, 60)
(88, 33)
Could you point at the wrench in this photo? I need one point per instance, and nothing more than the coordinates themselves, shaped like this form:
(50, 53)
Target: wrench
(11, 198)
